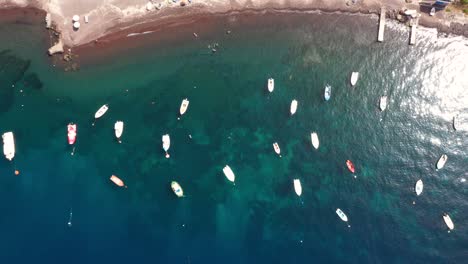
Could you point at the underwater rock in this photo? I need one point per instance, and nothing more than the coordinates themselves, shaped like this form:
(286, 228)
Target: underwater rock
(12, 69)
(32, 81)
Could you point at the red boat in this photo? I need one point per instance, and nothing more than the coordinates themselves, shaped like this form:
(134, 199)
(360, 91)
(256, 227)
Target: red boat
(350, 166)
(71, 133)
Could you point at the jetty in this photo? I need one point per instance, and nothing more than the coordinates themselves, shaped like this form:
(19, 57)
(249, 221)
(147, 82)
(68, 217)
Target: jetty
(380, 37)
(57, 48)
(414, 24)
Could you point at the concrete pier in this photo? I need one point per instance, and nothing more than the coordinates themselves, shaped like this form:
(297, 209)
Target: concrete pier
(413, 32)
(380, 37)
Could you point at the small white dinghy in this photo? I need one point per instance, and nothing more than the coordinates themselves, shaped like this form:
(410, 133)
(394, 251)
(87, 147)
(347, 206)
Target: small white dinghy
(293, 107)
(166, 140)
(315, 140)
(100, 112)
(175, 186)
(419, 187)
(271, 85)
(118, 127)
(441, 162)
(277, 148)
(297, 187)
(448, 221)
(8, 145)
(183, 107)
(342, 215)
(383, 103)
(229, 173)
(354, 78)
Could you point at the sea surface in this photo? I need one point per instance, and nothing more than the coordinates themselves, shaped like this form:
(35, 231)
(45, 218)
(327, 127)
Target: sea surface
(233, 120)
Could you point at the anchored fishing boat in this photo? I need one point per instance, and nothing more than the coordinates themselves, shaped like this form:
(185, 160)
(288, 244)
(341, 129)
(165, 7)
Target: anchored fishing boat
(441, 162)
(183, 106)
(419, 187)
(350, 166)
(383, 103)
(297, 187)
(354, 78)
(101, 111)
(315, 140)
(448, 221)
(271, 85)
(276, 148)
(117, 181)
(118, 127)
(293, 107)
(229, 173)
(177, 189)
(71, 133)
(8, 145)
(166, 140)
(341, 215)
(327, 94)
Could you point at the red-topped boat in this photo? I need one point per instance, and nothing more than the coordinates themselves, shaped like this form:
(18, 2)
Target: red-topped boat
(350, 166)
(71, 133)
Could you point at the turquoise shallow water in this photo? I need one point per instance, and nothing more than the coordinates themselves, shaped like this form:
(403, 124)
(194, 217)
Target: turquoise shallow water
(233, 120)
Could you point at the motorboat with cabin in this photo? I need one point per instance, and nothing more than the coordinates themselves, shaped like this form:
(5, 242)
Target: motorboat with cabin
(8, 145)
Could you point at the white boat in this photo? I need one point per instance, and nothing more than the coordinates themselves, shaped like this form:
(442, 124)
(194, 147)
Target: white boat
(341, 215)
(183, 106)
(448, 221)
(297, 187)
(354, 78)
(441, 162)
(293, 106)
(327, 94)
(175, 186)
(383, 103)
(101, 111)
(315, 140)
(118, 127)
(271, 85)
(276, 148)
(166, 140)
(433, 11)
(8, 145)
(229, 173)
(419, 187)
(456, 122)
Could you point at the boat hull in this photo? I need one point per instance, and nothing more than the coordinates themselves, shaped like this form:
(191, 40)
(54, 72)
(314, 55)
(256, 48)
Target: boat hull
(175, 186)
(101, 111)
(8, 145)
(271, 85)
(117, 181)
(297, 187)
(315, 140)
(419, 187)
(293, 108)
(354, 78)
(276, 148)
(441, 162)
(350, 166)
(342, 215)
(327, 94)
(448, 221)
(71, 133)
(118, 128)
(183, 106)
(229, 173)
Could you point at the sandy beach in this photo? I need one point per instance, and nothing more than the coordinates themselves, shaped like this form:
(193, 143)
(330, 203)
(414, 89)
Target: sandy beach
(105, 18)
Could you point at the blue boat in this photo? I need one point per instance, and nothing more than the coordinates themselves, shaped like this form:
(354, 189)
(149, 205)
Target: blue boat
(327, 92)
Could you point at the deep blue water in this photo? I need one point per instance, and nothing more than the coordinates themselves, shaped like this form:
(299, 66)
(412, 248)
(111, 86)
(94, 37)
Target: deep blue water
(233, 120)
